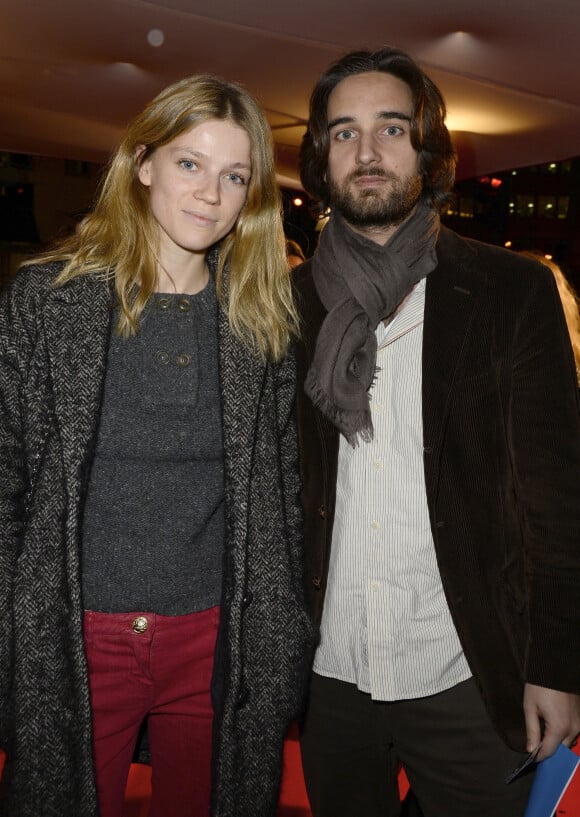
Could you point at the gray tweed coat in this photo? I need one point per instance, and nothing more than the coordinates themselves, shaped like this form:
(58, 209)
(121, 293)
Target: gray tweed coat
(53, 346)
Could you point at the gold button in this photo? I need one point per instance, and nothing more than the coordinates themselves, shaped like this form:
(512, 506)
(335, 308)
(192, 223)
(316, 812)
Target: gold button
(162, 357)
(140, 624)
(164, 303)
(184, 304)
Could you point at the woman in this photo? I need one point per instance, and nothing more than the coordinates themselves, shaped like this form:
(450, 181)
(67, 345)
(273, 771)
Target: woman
(294, 253)
(570, 302)
(149, 482)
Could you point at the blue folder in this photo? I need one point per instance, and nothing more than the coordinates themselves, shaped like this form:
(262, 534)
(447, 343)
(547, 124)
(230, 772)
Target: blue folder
(551, 780)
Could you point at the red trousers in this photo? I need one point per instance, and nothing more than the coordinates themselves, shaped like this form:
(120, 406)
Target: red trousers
(160, 667)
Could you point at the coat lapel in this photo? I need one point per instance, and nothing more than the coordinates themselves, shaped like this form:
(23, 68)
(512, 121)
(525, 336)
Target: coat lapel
(242, 375)
(77, 318)
(452, 294)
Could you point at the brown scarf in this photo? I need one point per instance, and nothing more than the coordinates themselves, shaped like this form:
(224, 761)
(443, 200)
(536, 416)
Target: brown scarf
(360, 283)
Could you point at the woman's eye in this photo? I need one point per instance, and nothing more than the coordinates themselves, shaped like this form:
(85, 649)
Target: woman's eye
(236, 178)
(187, 164)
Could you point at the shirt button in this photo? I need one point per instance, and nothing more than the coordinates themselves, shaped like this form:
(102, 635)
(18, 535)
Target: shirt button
(374, 586)
(164, 303)
(184, 304)
(183, 359)
(162, 357)
(377, 465)
(378, 407)
(140, 624)
(375, 525)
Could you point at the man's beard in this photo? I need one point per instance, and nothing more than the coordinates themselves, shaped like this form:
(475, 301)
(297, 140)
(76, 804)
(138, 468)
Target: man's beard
(375, 207)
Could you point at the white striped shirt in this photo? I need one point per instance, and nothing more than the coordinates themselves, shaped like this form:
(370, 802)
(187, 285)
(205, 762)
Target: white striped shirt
(386, 626)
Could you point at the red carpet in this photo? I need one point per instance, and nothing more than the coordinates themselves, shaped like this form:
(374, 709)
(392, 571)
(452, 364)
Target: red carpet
(293, 799)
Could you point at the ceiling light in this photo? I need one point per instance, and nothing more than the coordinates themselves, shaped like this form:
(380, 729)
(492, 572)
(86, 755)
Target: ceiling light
(155, 37)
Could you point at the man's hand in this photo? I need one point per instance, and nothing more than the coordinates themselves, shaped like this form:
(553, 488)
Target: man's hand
(560, 712)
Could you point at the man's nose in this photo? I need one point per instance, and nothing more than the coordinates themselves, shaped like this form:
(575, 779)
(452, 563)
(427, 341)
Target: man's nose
(367, 151)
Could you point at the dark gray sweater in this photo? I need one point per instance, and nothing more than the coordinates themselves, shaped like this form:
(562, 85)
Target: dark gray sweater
(153, 523)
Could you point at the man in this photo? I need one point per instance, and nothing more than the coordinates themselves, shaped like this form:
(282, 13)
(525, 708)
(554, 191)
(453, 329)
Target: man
(441, 462)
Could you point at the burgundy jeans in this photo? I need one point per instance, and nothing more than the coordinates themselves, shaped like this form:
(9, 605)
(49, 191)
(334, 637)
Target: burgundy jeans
(146, 665)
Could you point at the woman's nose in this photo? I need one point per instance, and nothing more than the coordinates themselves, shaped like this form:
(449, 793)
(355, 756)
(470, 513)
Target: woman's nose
(208, 189)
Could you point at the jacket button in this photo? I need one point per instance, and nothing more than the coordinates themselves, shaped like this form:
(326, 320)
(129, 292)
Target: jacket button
(183, 359)
(248, 598)
(184, 304)
(139, 624)
(322, 511)
(162, 357)
(317, 582)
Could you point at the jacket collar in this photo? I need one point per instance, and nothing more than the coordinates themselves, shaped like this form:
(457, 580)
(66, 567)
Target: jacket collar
(454, 290)
(242, 378)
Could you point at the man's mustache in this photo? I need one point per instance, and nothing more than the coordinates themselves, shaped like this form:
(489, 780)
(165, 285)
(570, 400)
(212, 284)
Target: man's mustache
(371, 171)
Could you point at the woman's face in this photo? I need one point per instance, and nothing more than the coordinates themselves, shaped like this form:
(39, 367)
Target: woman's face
(198, 185)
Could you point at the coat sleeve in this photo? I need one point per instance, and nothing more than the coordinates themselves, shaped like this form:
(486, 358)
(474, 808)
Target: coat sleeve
(297, 648)
(545, 442)
(16, 344)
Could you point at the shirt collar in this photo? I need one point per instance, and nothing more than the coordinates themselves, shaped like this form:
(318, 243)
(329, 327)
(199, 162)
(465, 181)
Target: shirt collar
(409, 316)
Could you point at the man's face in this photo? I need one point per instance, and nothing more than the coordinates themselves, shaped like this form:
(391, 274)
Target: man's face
(372, 166)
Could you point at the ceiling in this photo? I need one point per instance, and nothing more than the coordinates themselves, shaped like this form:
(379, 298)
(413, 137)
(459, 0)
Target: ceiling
(72, 72)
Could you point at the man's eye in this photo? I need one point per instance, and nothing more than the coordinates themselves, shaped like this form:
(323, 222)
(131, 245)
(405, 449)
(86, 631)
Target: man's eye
(345, 135)
(393, 130)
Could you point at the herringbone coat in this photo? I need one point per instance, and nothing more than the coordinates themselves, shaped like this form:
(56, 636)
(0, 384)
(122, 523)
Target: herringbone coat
(53, 347)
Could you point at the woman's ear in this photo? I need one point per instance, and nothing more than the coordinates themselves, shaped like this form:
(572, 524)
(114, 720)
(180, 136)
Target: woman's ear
(144, 165)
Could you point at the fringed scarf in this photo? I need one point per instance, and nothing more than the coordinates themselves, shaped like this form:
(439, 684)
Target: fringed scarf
(360, 283)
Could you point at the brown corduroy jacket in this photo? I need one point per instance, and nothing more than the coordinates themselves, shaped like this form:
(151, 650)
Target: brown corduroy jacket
(501, 438)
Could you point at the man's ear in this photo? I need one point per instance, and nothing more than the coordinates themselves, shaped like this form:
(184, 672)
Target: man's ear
(144, 165)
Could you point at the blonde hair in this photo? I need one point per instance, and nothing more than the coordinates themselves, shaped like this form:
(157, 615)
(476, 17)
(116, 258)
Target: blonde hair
(569, 298)
(119, 237)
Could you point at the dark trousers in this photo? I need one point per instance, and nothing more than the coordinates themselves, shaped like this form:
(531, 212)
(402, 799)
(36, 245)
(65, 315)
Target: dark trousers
(352, 747)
